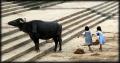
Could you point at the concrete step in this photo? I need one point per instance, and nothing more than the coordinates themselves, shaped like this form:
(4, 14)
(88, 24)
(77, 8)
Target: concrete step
(76, 23)
(82, 19)
(8, 31)
(10, 36)
(64, 28)
(63, 32)
(18, 51)
(14, 4)
(51, 4)
(22, 6)
(33, 6)
(11, 45)
(114, 9)
(42, 42)
(109, 7)
(67, 26)
(32, 57)
(72, 15)
(39, 56)
(91, 19)
(87, 23)
(78, 16)
(6, 3)
(13, 37)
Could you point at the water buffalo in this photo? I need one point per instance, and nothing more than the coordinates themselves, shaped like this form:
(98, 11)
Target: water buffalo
(38, 29)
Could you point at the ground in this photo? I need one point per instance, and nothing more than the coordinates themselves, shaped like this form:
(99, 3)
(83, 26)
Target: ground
(109, 53)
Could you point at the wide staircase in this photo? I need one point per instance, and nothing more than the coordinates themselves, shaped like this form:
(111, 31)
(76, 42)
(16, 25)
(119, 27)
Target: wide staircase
(14, 7)
(17, 46)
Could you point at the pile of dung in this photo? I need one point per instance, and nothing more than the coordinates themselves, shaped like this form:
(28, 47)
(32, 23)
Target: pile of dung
(96, 42)
(79, 51)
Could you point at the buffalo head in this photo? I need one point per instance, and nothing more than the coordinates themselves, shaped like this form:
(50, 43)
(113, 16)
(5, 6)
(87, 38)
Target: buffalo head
(16, 22)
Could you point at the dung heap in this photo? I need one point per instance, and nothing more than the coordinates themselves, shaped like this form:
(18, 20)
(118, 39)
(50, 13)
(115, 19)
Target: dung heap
(79, 51)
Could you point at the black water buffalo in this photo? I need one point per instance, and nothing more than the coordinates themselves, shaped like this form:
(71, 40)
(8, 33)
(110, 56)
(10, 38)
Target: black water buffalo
(40, 29)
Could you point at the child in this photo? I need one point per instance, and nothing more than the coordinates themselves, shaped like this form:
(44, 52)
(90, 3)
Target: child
(88, 37)
(101, 37)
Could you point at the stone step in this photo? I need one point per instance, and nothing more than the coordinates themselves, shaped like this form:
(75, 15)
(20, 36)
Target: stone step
(32, 57)
(67, 26)
(51, 44)
(74, 27)
(22, 6)
(18, 51)
(9, 31)
(91, 19)
(89, 22)
(6, 3)
(72, 16)
(104, 5)
(14, 4)
(46, 4)
(14, 43)
(114, 9)
(82, 19)
(72, 24)
(79, 15)
(109, 7)
(12, 36)
(63, 30)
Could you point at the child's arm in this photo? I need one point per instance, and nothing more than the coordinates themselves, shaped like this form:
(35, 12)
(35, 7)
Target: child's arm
(79, 34)
(83, 34)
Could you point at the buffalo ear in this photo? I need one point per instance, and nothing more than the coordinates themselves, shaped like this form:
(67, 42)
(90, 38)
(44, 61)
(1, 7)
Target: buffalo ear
(25, 19)
(21, 20)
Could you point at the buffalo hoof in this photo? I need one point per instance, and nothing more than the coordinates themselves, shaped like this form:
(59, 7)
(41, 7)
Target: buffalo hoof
(54, 50)
(60, 49)
(38, 51)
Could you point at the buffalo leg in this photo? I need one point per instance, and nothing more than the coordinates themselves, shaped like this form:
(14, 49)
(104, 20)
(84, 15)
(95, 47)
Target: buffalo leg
(60, 43)
(36, 42)
(36, 45)
(59, 37)
(56, 43)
